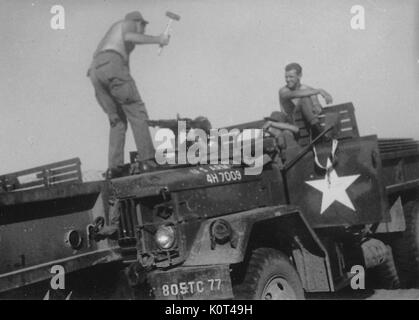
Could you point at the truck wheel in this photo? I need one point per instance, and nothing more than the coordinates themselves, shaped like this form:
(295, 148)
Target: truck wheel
(270, 276)
(406, 248)
(385, 275)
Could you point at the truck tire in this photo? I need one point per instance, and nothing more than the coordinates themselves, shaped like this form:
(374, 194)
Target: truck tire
(270, 276)
(406, 248)
(385, 275)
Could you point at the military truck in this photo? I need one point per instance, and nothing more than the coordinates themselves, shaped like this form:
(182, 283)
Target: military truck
(47, 218)
(210, 231)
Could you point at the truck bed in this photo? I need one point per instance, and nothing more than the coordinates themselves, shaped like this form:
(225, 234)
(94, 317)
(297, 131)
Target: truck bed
(400, 161)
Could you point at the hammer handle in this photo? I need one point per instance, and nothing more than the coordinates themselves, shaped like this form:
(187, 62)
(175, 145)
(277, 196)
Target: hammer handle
(166, 32)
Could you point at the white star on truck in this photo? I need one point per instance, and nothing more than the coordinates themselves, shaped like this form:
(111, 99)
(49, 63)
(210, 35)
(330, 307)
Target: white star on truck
(334, 188)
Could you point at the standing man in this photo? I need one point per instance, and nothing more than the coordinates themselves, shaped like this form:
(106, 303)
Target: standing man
(117, 93)
(296, 96)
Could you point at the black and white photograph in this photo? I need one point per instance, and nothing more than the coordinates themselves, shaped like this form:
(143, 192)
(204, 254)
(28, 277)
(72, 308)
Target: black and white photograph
(209, 150)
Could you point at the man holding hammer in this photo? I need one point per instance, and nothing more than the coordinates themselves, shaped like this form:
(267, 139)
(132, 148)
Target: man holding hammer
(117, 92)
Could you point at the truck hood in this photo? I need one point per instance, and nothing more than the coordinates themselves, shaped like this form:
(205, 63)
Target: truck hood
(181, 178)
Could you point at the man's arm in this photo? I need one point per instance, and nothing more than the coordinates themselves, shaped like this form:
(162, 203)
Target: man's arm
(282, 126)
(139, 38)
(130, 33)
(286, 94)
(316, 104)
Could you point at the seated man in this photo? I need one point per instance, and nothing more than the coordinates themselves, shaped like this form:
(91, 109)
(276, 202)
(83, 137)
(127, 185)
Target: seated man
(285, 133)
(296, 96)
(277, 125)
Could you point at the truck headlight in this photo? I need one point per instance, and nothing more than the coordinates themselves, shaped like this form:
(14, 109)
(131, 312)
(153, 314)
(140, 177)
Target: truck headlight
(165, 236)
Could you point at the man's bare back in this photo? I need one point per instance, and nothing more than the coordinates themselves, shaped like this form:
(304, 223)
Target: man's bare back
(114, 39)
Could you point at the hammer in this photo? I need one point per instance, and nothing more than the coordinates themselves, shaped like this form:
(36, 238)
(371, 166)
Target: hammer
(172, 16)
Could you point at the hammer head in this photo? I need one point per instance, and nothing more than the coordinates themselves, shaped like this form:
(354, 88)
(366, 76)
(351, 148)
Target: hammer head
(172, 15)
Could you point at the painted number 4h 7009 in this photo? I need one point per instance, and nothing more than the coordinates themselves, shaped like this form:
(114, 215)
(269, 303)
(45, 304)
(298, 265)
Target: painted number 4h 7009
(224, 176)
(191, 287)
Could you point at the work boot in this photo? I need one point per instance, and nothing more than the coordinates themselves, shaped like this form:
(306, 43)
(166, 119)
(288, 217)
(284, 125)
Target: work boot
(112, 173)
(143, 166)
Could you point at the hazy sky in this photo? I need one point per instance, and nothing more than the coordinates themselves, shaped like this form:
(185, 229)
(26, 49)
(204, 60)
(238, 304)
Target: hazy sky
(225, 61)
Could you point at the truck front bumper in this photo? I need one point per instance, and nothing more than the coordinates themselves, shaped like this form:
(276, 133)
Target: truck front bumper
(198, 283)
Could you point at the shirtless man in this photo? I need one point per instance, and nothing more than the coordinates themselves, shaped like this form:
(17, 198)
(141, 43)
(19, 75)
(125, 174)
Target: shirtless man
(296, 96)
(117, 92)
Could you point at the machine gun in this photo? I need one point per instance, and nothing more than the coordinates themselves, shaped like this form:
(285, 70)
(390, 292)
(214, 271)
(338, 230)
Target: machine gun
(172, 124)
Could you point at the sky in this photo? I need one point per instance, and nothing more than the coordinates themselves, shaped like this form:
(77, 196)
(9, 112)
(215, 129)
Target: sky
(225, 61)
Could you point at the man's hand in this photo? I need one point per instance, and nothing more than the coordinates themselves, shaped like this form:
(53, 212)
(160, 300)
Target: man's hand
(164, 39)
(267, 125)
(327, 97)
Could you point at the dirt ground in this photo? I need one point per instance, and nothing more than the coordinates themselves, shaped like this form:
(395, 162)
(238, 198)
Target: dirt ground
(411, 294)
(400, 294)
(87, 285)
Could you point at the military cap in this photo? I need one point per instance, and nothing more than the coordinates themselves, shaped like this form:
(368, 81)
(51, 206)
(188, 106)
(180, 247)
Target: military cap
(135, 16)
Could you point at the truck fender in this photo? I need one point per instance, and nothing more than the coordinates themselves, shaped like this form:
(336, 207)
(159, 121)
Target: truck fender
(280, 227)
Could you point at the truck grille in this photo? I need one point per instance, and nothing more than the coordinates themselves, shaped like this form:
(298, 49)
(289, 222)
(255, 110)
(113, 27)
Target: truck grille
(137, 227)
(127, 229)
(129, 221)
